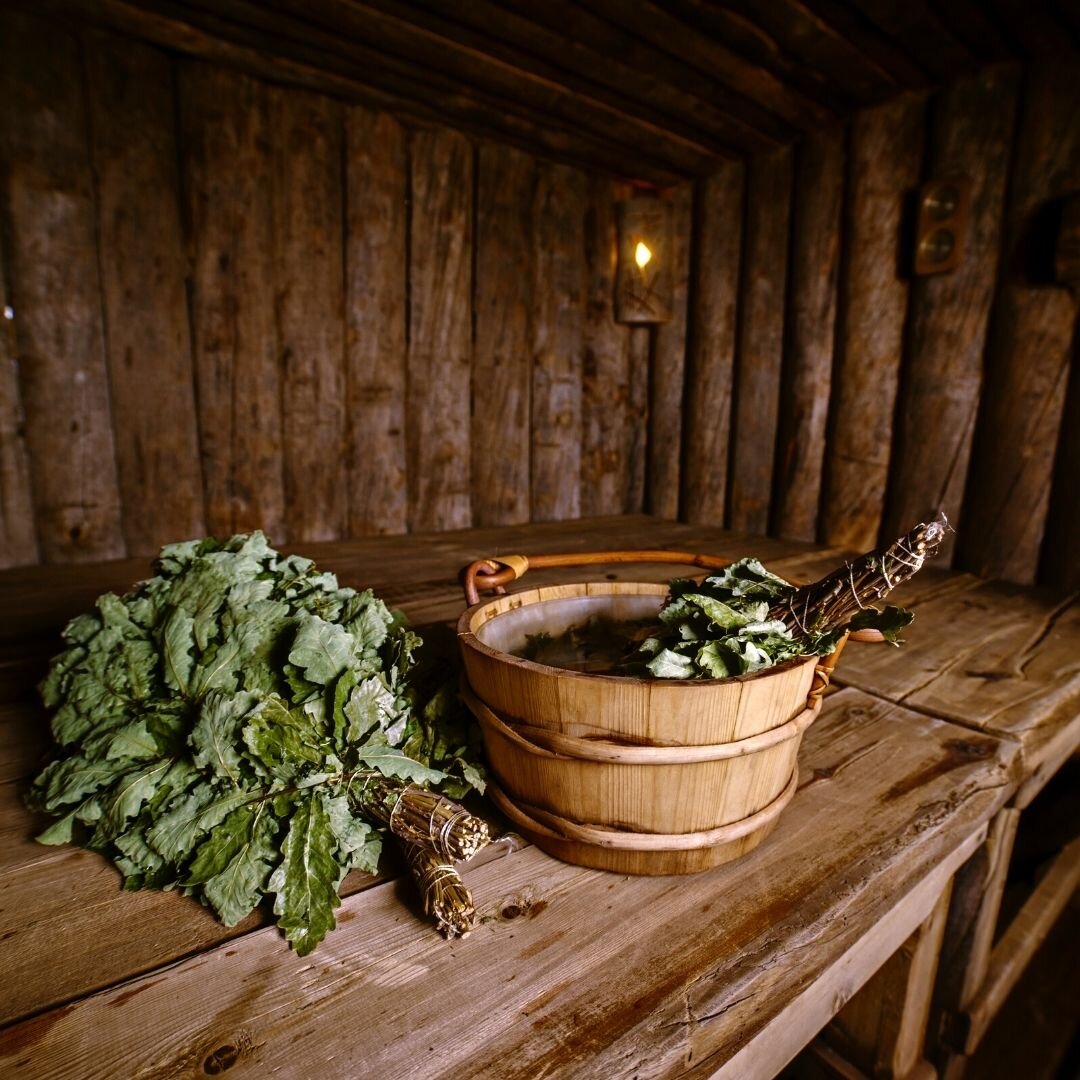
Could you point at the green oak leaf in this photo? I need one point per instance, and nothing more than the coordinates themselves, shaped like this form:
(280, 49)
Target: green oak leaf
(240, 884)
(215, 739)
(321, 650)
(305, 883)
(377, 753)
(357, 840)
(190, 816)
(370, 706)
(177, 653)
(284, 742)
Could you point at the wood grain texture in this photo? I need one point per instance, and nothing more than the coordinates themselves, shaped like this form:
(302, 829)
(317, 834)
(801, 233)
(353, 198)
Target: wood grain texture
(667, 381)
(226, 162)
(753, 42)
(332, 62)
(404, 49)
(653, 22)
(1017, 946)
(440, 331)
(558, 289)
(18, 538)
(376, 177)
(804, 922)
(133, 119)
(738, 121)
(49, 223)
(969, 930)
(308, 225)
(797, 31)
(606, 364)
(923, 34)
(1030, 344)
(811, 318)
(970, 134)
(999, 657)
(884, 162)
(637, 417)
(883, 1028)
(503, 318)
(1060, 566)
(711, 362)
(887, 54)
(759, 360)
(557, 57)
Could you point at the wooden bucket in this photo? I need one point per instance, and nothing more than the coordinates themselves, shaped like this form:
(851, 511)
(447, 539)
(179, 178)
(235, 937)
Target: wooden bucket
(632, 775)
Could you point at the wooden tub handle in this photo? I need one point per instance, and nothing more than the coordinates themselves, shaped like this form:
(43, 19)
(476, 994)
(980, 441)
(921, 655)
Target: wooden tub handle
(496, 573)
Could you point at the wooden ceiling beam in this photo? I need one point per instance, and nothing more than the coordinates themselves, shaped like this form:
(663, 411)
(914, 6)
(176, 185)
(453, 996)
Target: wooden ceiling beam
(754, 43)
(556, 45)
(574, 22)
(462, 112)
(470, 65)
(680, 40)
(868, 40)
(922, 35)
(486, 27)
(802, 34)
(1039, 31)
(977, 30)
(361, 44)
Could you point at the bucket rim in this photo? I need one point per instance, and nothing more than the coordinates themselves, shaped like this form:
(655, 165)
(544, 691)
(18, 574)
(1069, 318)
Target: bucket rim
(468, 639)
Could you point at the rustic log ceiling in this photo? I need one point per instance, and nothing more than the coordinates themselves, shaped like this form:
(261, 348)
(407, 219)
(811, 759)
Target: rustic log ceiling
(650, 91)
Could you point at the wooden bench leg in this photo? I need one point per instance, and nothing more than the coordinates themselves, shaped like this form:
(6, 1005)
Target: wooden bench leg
(1028, 930)
(882, 1029)
(969, 937)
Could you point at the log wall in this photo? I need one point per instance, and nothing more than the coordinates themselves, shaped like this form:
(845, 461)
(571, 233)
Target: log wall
(232, 304)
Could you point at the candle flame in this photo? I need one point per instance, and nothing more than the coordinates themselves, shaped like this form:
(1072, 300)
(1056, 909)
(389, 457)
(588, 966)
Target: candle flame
(642, 255)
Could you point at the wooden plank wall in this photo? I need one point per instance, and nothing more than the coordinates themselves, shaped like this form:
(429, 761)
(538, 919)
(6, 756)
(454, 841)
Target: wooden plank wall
(895, 396)
(273, 308)
(243, 305)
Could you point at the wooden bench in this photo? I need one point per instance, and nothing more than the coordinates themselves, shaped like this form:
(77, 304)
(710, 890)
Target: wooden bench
(1008, 666)
(572, 972)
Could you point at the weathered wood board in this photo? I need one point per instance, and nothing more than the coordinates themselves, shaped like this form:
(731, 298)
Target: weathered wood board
(376, 177)
(668, 376)
(711, 360)
(18, 537)
(811, 318)
(558, 290)
(1060, 565)
(760, 357)
(306, 132)
(503, 317)
(1030, 343)
(440, 330)
(970, 134)
(885, 158)
(143, 268)
(606, 360)
(51, 260)
(226, 163)
(801, 926)
(639, 366)
(998, 657)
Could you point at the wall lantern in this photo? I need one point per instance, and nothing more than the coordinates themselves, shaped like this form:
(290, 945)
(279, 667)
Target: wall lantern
(942, 223)
(643, 279)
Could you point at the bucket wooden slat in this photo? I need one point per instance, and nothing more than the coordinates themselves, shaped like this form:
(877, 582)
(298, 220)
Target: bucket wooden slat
(624, 840)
